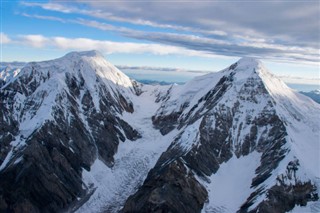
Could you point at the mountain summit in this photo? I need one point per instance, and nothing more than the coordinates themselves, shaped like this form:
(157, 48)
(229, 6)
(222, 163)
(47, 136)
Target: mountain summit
(90, 53)
(246, 143)
(78, 135)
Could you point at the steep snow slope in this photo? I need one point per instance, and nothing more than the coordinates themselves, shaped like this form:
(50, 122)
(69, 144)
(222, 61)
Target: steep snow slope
(230, 186)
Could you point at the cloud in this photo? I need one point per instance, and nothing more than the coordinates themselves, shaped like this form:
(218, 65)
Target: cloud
(103, 26)
(159, 69)
(51, 18)
(37, 41)
(300, 80)
(110, 47)
(244, 46)
(217, 28)
(4, 39)
(294, 21)
(52, 7)
(102, 14)
(107, 47)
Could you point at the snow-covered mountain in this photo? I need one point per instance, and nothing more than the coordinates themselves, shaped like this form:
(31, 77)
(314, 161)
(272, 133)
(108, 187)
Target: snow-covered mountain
(57, 118)
(247, 143)
(78, 135)
(314, 95)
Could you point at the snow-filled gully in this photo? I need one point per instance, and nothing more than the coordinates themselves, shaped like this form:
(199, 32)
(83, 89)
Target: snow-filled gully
(133, 160)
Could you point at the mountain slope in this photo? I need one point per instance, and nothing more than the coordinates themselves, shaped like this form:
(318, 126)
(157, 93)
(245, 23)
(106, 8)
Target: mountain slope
(241, 114)
(57, 117)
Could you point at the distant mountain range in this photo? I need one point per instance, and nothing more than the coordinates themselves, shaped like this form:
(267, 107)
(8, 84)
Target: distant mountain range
(78, 135)
(314, 95)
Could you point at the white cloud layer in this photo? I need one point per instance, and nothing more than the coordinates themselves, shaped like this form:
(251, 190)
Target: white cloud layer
(300, 80)
(107, 47)
(37, 41)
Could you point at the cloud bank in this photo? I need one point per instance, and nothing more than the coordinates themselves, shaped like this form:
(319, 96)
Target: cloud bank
(275, 30)
(105, 46)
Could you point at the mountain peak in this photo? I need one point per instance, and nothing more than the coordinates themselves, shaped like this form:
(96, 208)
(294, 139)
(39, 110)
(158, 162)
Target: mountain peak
(247, 59)
(247, 66)
(89, 64)
(249, 62)
(91, 53)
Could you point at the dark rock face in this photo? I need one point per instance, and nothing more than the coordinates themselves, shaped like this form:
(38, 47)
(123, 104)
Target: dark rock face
(44, 175)
(215, 147)
(166, 123)
(2, 82)
(137, 87)
(283, 198)
(48, 186)
(286, 194)
(171, 188)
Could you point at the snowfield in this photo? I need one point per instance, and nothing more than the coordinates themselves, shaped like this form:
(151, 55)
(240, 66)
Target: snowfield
(230, 186)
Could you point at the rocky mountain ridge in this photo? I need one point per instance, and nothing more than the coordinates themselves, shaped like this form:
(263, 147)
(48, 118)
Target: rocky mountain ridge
(79, 135)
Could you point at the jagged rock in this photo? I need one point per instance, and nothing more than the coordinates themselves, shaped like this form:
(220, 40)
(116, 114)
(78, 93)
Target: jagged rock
(283, 198)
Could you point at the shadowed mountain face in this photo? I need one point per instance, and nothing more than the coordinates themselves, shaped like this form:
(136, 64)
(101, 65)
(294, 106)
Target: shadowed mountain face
(59, 119)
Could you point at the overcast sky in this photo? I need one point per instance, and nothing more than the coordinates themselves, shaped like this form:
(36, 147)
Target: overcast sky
(196, 35)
